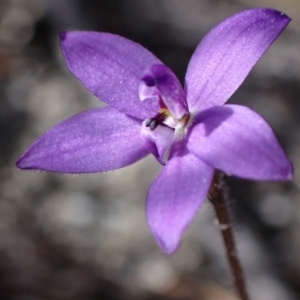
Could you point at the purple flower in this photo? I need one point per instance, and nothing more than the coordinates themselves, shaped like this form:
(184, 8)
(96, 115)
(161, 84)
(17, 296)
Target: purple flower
(189, 130)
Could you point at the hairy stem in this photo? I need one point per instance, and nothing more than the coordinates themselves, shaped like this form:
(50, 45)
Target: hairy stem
(217, 197)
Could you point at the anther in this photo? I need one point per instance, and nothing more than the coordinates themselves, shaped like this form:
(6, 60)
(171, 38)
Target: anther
(152, 123)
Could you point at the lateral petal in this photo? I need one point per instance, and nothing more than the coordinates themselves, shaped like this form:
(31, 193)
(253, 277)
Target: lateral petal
(111, 67)
(227, 53)
(175, 197)
(97, 140)
(239, 142)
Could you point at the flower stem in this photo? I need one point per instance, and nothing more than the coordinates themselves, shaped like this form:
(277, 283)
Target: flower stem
(217, 197)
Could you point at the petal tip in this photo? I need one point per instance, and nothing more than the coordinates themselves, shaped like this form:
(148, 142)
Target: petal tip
(290, 172)
(168, 246)
(19, 164)
(269, 12)
(22, 163)
(277, 14)
(63, 36)
(286, 172)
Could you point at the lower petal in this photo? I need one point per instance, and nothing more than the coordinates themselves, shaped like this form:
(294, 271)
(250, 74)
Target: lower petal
(175, 197)
(97, 140)
(238, 141)
(158, 141)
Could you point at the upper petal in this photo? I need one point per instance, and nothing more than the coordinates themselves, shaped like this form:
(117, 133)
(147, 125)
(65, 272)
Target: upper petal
(93, 141)
(238, 141)
(175, 197)
(160, 82)
(111, 67)
(227, 53)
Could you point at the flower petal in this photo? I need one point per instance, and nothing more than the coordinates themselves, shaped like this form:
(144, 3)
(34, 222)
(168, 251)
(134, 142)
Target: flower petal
(158, 141)
(175, 197)
(111, 67)
(93, 141)
(227, 53)
(160, 81)
(238, 141)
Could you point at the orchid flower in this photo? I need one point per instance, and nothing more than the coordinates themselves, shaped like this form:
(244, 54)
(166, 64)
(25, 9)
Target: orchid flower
(188, 130)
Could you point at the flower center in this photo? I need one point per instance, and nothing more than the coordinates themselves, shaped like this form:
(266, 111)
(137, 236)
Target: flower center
(159, 119)
(170, 124)
(161, 83)
(164, 117)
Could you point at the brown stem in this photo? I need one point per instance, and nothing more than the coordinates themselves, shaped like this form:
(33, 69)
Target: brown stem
(217, 197)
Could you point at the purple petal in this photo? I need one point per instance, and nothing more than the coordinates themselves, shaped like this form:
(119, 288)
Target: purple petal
(239, 142)
(227, 53)
(175, 197)
(158, 141)
(93, 141)
(159, 80)
(111, 67)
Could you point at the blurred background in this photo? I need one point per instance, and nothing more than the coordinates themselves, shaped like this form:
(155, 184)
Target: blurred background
(85, 237)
